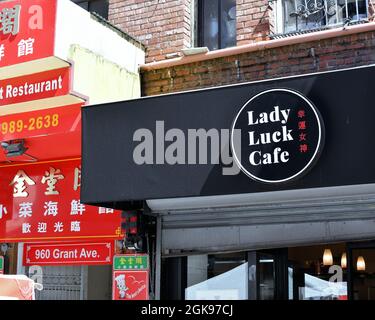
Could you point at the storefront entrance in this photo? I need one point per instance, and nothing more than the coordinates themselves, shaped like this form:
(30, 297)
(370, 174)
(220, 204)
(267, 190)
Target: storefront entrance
(338, 271)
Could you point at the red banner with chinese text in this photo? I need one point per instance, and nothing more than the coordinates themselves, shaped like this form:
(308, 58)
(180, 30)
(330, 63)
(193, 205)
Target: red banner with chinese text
(40, 201)
(27, 30)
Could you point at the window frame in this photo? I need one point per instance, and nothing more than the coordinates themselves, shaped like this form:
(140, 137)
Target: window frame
(200, 15)
(89, 3)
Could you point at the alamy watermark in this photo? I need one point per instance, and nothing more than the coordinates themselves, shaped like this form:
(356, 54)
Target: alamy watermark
(191, 147)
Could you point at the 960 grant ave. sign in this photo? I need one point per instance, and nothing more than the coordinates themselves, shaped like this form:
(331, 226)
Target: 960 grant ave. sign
(74, 253)
(277, 136)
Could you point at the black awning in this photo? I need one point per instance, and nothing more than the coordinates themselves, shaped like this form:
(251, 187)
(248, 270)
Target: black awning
(110, 174)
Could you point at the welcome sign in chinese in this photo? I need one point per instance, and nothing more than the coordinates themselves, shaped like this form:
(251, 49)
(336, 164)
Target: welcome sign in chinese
(42, 201)
(27, 30)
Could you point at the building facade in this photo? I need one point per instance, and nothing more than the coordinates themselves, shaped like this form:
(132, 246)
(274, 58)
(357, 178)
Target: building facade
(302, 240)
(49, 69)
(285, 212)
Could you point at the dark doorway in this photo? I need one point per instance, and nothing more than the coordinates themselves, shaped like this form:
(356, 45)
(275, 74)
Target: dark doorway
(268, 274)
(362, 270)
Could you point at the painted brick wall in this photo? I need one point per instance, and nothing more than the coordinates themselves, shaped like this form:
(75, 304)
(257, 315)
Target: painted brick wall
(164, 26)
(341, 52)
(254, 20)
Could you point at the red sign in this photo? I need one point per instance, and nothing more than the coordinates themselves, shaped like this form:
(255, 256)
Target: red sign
(130, 285)
(35, 86)
(40, 123)
(55, 254)
(27, 30)
(42, 201)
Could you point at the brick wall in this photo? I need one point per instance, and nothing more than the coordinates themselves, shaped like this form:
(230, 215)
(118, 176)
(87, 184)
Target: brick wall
(341, 52)
(254, 20)
(164, 26)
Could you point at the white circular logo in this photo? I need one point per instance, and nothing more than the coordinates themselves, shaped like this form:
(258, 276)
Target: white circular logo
(277, 136)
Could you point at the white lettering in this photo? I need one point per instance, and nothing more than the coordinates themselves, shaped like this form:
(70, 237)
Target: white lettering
(257, 158)
(267, 138)
(31, 88)
(276, 115)
(252, 158)
(64, 254)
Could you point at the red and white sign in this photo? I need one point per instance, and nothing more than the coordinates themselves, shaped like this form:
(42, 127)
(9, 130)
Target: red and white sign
(130, 285)
(41, 201)
(44, 122)
(35, 86)
(27, 30)
(54, 254)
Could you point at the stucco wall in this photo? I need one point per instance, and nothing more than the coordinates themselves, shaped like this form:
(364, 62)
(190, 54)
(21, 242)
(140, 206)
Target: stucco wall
(101, 80)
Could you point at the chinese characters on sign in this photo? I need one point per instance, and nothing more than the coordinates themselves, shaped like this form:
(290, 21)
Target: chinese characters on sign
(130, 262)
(25, 48)
(26, 30)
(302, 126)
(130, 277)
(10, 20)
(46, 204)
(19, 182)
(51, 177)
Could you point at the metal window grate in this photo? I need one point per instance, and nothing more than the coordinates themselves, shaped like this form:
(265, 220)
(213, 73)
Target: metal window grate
(304, 15)
(62, 283)
(298, 32)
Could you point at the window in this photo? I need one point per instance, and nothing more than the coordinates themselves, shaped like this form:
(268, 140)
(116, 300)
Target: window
(217, 23)
(98, 6)
(217, 277)
(300, 15)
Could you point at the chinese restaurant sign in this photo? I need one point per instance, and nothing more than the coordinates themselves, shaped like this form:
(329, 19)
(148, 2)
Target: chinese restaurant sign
(1, 264)
(130, 277)
(36, 86)
(82, 253)
(42, 201)
(27, 30)
(42, 122)
(130, 262)
(281, 136)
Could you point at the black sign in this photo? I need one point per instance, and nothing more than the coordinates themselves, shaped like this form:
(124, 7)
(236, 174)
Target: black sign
(279, 136)
(112, 177)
